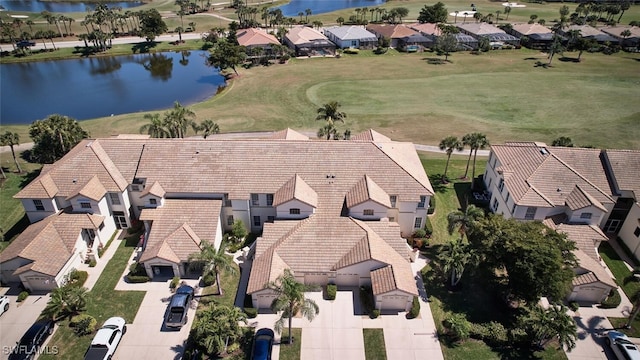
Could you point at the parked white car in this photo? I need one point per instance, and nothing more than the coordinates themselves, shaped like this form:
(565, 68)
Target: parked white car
(104, 344)
(622, 346)
(4, 304)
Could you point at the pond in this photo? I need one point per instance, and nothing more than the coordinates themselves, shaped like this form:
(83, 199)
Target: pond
(324, 6)
(101, 86)
(36, 6)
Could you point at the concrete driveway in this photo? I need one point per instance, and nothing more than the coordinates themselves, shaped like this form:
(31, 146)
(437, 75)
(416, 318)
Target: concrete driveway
(15, 322)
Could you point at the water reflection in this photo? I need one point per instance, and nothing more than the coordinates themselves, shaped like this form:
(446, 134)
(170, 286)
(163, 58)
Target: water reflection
(184, 61)
(295, 7)
(104, 65)
(60, 7)
(159, 65)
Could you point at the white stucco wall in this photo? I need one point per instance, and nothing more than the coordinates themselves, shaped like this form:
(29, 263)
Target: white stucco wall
(631, 223)
(8, 267)
(596, 215)
(379, 211)
(34, 215)
(363, 269)
(282, 211)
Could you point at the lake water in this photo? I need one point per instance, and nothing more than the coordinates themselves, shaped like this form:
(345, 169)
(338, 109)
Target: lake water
(324, 6)
(101, 86)
(59, 7)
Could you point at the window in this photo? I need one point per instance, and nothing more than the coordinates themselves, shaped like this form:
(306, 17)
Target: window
(501, 184)
(85, 205)
(230, 220)
(115, 199)
(38, 204)
(368, 212)
(135, 187)
(271, 218)
(513, 210)
(255, 201)
(418, 223)
(269, 199)
(494, 206)
(392, 219)
(101, 226)
(586, 215)
(489, 185)
(423, 200)
(256, 221)
(506, 200)
(393, 199)
(294, 211)
(637, 232)
(531, 213)
(227, 202)
(153, 201)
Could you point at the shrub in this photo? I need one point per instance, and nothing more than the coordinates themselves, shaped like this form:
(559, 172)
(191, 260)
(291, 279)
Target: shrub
(137, 279)
(574, 306)
(415, 309)
(77, 278)
(351, 51)
(83, 324)
(209, 279)
(93, 263)
(251, 312)
(174, 282)
(137, 269)
(284, 58)
(22, 296)
(380, 50)
(496, 333)
(428, 227)
(331, 291)
(432, 205)
(419, 233)
(375, 314)
(366, 299)
(612, 301)
(458, 325)
(478, 331)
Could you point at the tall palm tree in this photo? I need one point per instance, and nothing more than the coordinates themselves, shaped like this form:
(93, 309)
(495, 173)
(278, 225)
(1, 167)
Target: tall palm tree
(66, 301)
(290, 301)
(217, 327)
(11, 139)
(449, 144)
(155, 128)
(178, 119)
(209, 127)
(464, 220)
(330, 113)
(475, 141)
(454, 258)
(327, 131)
(562, 326)
(210, 259)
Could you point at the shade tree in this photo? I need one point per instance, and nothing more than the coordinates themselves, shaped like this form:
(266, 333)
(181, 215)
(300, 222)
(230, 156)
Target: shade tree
(54, 136)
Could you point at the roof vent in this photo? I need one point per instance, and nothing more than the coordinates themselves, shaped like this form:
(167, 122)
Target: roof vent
(74, 181)
(197, 152)
(558, 189)
(544, 151)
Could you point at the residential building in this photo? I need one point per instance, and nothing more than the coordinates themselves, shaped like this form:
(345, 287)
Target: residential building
(331, 211)
(351, 37)
(628, 42)
(257, 38)
(306, 41)
(493, 33)
(589, 32)
(537, 36)
(392, 32)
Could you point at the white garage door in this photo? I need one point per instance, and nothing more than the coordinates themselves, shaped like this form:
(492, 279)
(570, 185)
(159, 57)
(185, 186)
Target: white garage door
(40, 283)
(316, 279)
(591, 294)
(264, 301)
(394, 302)
(348, 280)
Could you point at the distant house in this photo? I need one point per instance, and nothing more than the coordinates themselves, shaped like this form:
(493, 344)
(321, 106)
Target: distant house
(493, 33)
(351, 37)
(415, 42)
(392, 32)
(632, 41)
(256, 38)
(538, 36)
(589, 32)
(305, 41)
(430, 30)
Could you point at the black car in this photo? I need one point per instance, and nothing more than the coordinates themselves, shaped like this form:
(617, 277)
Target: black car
(32, 340)
(262, 345)
(178, 307)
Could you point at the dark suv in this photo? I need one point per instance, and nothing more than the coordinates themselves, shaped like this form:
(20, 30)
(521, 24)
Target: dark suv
(31, 341)
(178, 307)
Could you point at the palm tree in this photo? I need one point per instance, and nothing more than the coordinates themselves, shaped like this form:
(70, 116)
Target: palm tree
(290, 301)
(155, 128)
(464, 221)
(307, 12)
(327, 131)
(455, 16)
(218, 326)
(177, 120)
(11, 139)
(301, 14)
(66, 301)
(449, 144)
(330, 113)
(210, 259)
(475, 141)
(507, 11)
(455, 257)
(562, 326)
(209, 127)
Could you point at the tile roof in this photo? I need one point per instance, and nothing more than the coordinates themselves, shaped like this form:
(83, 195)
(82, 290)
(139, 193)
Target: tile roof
(595, 271)
(295, 189)
(351, 32)
(256, 37)
(288, 134)
(586, 237)
(537, 175)
(616, 30)
(528, 29)
(178, 228)
(625, 167)
(92, 189)
(391, 31)
(155, 189)
(585, 30)
(480, 28)
(366, 189)
(426, 28)
(369, 135)
(299, 35)
(578, 199)
(49, 243)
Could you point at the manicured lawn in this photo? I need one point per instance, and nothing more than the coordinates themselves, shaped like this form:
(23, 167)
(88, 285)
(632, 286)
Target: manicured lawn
(291, 352)
(374, 348)
(229, 289)
(103, 302)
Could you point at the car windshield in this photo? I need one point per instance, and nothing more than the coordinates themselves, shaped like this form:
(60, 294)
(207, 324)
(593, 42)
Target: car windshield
(623, 341)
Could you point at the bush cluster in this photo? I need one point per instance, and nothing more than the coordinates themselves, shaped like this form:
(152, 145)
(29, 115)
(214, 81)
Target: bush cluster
(366, 299)
(251, 312)
(93, 263)
(458, 326)
(331, 291)
(351, 51)
(415, 309)
(137, 274)
(428, 227)
(574, 306)
(83, 324)
(612, 301)
(174, 282)
(22, 296)
(492, 333)
(136, 279)
(209, 279)
(432, 205)
(77, 278)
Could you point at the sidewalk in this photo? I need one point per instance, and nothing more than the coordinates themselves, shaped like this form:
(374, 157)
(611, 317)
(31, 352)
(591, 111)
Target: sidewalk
(94, 272)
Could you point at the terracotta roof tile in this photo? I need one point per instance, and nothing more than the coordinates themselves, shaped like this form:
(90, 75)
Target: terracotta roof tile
(92, 189)
(288, 134)
(391, 31)
(256, 37)
(528, 29)
(594, 268)
(297, 189)
(299, 35)
(155, 189)
(370, 135)
(426, 28)
(586, 237)
(365, 190)
(578, 199)
(625, 166)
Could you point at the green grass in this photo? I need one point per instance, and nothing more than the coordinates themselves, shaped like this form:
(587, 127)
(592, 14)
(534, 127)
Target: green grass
(229, 289)
(374, 348)
(290, 351)
(13, 219)
(103, 302)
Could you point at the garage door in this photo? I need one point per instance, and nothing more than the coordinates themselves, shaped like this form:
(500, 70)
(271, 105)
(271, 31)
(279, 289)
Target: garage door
(264, 301)
(348, 280)
(394, 302)
(40, 283)
(316, 279)
(592, 294)
(162, 271)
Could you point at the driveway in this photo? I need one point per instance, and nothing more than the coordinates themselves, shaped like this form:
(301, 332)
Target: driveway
(15, 322)
(592, 327)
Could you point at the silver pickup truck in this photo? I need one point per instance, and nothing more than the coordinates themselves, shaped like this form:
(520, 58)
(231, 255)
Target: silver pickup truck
(178, 307)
